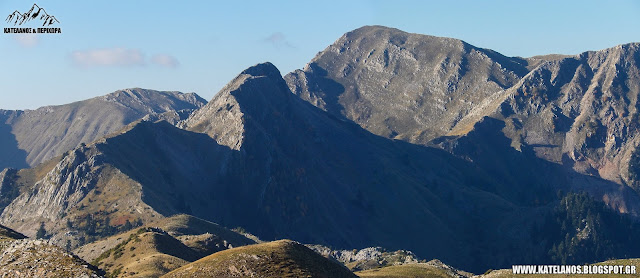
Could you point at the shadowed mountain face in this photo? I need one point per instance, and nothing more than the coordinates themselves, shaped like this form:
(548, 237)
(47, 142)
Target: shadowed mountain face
(34, 136)
(12, 155)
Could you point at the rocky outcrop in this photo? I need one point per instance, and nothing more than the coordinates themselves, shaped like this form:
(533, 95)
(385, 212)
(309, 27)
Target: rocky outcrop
(176, 118)
(38, 258)
(367, 258)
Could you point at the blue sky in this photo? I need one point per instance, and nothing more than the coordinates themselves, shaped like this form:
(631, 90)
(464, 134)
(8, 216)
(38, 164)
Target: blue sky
(198, 46)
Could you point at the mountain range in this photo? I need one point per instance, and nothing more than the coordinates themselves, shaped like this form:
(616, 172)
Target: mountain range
(385, 138)
(578, 111)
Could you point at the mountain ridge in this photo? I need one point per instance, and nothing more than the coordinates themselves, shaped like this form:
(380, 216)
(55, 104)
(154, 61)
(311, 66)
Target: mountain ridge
(31, 137)
(376, 65)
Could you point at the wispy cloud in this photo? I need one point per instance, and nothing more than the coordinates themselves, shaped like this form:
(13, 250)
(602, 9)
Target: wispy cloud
(26, 40)
(120, 57)
(278, 39)
(165, 60)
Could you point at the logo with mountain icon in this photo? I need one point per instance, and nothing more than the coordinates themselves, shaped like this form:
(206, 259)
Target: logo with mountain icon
(35, 13)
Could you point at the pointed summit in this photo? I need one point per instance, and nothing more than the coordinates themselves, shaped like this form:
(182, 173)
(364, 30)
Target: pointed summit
(263, 69)
(257, 93)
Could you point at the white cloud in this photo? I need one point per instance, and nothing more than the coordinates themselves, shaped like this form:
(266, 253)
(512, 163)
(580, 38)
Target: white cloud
(165, 60)
(275, 38)
(120, 57)
(278, 40)
(26, 40)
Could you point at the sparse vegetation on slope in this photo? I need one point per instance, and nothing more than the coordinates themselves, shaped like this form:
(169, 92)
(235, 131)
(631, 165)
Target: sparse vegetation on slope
(281, 258)
(432, 269)
(160, 247)
(149, 252)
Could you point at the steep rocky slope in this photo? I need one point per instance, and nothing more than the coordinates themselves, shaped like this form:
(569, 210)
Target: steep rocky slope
(401, 85)
(30, 137)
(581, 111)
(81, 196)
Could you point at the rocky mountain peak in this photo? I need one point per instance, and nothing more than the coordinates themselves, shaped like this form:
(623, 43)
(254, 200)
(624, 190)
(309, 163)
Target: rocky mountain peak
(263, 69)
(402, 85)
(255, 93)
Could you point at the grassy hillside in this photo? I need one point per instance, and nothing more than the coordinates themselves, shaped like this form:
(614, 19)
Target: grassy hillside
(148, 252)
(431, 269)
(405, 271)
(283, 258)
(160, 247)
(436, 269)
